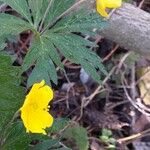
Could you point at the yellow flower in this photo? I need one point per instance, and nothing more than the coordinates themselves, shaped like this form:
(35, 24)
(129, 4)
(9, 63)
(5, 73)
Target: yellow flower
(101, 6)
(34, 111)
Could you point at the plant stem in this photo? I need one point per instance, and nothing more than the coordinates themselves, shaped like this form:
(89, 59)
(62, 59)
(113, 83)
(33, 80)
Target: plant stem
(62, 15)
(45, 14)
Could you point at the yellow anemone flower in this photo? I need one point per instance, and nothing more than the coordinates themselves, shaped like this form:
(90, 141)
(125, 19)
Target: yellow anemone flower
(34, 111)
(101, 6)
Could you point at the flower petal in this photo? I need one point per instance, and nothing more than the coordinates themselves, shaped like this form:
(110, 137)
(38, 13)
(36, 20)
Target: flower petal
(36, 121)
(113, 3)
(40, 93)
(100, 6)
(45, 94)
(34, 111)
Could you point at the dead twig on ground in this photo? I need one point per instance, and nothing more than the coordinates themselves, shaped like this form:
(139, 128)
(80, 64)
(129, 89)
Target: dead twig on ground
(130, 139)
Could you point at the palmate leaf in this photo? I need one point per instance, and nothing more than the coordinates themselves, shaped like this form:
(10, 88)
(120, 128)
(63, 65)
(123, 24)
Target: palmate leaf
(20, 6)
(41, 55)
(74, 48)
(11, 94)
(61, 37)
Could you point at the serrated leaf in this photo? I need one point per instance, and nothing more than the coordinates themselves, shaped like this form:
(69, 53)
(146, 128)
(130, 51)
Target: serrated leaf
(82, 21)
(12, 25)
(79, 135)
(11, 94)
(40, 55)
(32, 54)
(91, 71)
(70, 38)
(73, 47)
(57, 8)
(78, 52)
(36, 6)
(53, 52)
(44, 69)
(20, 6)
(17, 138)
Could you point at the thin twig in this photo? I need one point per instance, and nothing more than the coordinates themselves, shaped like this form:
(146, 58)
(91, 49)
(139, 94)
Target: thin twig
(134, 136)
(122, 61)
(88, 99)
(110, 54)
(136, 103)
(141, 4)
(133, 85)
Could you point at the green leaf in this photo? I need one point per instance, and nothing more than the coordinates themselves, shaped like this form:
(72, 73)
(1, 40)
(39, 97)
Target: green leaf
(50, 144)
(63, 148)
(2, 42)
(17, 138)
(46, 144)
(36, 8)
(41, 55)
(20, 6)
(57, 8)
(45, 49)
(53, 52)
(89, 68)
(12, 25)
(44, 69)
(106, 132)
(74, 48)
(82, 21)
(58, 125)
(79, 135)
(11, 94)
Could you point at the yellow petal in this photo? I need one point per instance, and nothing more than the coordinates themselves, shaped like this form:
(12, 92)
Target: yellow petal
(34, 111)
(40, 93)
(113, 3)
(101, 6)
(36, 121)
(46, 95)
